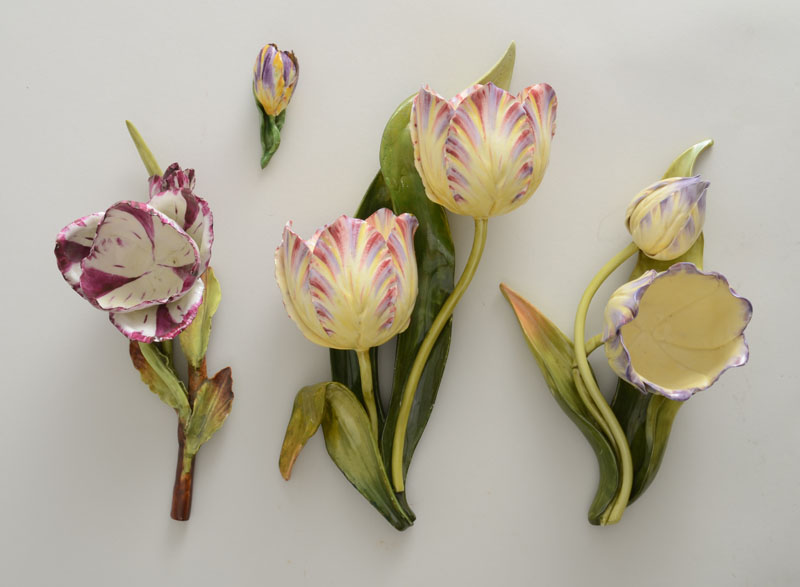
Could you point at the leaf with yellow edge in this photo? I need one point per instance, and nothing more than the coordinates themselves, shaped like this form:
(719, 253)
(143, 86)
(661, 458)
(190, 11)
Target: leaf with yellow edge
(194, 338)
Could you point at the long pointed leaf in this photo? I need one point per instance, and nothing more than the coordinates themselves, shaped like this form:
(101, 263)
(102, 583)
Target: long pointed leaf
(157, 373)
(307, 411)
(436, 262)
(349, 440)
(647, 419)
(210, 410)
(555, 356)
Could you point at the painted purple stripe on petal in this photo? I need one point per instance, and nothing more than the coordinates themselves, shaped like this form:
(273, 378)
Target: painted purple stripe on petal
(142, 214)
(68, 252)
(96, 283)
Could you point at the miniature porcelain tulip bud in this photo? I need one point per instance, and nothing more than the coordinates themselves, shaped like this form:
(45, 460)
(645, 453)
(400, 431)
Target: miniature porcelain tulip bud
(484, 152)
(353, 284)
(140, 262)
(666, 218)
(674, 333)
(274, 79)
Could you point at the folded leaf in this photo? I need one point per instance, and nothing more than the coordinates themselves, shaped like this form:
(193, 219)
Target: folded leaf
(307, 411)
(156, 372)
(436, 262)
(646, 418)
(352, 447)
(194, 339)
(555, 356)
(211, 407)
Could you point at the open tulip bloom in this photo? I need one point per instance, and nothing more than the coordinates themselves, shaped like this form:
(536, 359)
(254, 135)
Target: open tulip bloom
(670, 332)
(352, 285)
(146, 264)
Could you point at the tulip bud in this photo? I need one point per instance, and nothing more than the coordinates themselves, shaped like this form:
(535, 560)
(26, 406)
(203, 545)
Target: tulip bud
(666, 218)
(274, 79)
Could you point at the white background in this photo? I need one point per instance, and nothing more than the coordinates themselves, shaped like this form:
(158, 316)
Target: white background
(502, 480)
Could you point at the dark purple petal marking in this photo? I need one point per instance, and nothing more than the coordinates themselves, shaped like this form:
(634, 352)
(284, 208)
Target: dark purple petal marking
(96, 283)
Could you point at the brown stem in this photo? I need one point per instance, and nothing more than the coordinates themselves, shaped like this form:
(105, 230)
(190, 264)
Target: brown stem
(182, 491)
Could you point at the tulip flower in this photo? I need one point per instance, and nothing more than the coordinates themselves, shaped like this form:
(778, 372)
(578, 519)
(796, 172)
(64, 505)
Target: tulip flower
(274, 79)
(352, 285)
(666, 218)
(674, 333)
(140, 262)
(481, 154)
(484, 152)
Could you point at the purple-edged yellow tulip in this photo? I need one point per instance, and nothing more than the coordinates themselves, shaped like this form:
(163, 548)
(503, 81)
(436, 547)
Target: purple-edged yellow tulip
(142, 262)
(666, 218)
(353, 284)
(674, 333)
(274, 78)
(484, 152)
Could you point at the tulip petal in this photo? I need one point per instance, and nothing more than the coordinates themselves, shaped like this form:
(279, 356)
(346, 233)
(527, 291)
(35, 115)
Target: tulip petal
(398, 233)
(73, 245)
(430, 117)
(488, 153)
(541, 104)
(292, 261)
(172, 196)
(353, 285)
(161, 322)
(139, 258)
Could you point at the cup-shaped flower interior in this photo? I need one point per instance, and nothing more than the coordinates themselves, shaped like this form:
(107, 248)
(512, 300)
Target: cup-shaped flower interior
(352, 285)
(666, 218)
(484, 152)
(142, 262)
(274, 78)
(675, 332)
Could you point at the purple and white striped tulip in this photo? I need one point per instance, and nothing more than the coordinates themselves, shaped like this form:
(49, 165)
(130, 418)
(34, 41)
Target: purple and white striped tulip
(142, 262)
(484, 152)
(274, 78)
(666, 218)
(674, 333)
(353, 284)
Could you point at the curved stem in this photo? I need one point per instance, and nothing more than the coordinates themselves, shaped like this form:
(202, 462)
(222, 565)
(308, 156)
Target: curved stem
(617, 434)
(365, 367)
(410, 388)
(594, 343)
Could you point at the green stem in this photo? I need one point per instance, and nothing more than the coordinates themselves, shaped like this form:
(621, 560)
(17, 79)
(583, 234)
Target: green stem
(148, 159)
(366, 390)
(594, 343)
(410, 388)
(618, 438)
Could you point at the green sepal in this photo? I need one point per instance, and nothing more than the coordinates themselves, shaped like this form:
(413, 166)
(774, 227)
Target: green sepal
(270, 133)
(647, 418)
(555, 356)
(150, 163)
(194, 338)
(435, 255)
(349, 441)
(157, 373)
(212, 404)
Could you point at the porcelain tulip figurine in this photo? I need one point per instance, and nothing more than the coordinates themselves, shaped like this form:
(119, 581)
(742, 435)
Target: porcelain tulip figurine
(274, 79)
(669, 332)
(146, 264)
(481, 154)
(352, 285)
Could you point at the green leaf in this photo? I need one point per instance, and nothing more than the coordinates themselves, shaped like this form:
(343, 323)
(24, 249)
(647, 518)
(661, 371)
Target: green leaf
(211, 407)
(647, 418)
(435, 254)
(160, 377)
(352, 447)
(194, 339)
(148, 159)
(555, 356)
(309, 405)
(270, 133)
